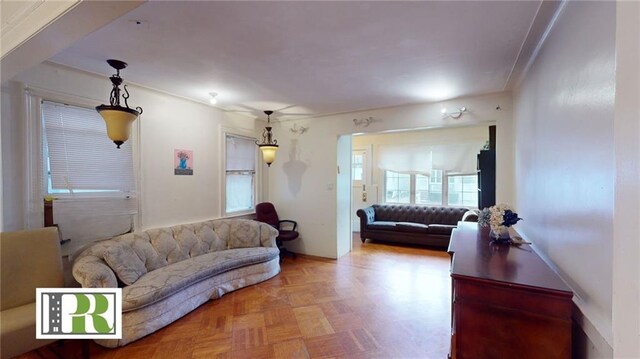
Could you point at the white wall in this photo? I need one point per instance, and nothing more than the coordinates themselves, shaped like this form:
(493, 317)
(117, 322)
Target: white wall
(343, 195)
(302, 179)
(167, 123)
(565, 161)
(13, 158)
(626, 226)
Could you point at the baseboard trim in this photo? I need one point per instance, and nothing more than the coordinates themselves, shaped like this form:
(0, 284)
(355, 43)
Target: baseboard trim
(587, 341)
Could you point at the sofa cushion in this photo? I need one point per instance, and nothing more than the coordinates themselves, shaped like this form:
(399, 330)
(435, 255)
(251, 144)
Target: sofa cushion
(205, 232)
(18, 329)
(443, 229)
(143, 247)
(418, 214)
(410, 227)
(189, 244)
(124, 262)
(165, 245)
(382, 225)
(244, 234)
(161, 283)
(28, 260)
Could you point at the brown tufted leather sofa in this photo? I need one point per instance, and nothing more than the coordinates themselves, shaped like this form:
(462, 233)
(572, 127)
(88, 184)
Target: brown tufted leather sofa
(429, 226)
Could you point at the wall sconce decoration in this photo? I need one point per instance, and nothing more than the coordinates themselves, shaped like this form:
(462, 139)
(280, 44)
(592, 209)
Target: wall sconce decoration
(454, 115)
(117, 118)
(269, 146)
(363, 122)
(298, 129)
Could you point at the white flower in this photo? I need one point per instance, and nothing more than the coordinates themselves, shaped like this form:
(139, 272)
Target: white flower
(496, 218)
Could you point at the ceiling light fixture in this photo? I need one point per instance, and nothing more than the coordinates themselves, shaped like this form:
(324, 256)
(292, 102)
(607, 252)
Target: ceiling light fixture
(118, 118)
(213, 99)
(269, 146)
(455, 115)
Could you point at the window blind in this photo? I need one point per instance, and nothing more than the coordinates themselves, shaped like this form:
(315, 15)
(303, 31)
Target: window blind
(241, 154)
(81, 156)
(240, 162)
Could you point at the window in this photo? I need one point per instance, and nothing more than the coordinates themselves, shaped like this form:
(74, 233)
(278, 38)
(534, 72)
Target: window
(78, 155)
(463, 190)
(91, 180)
(240, 164)
(357, 166)
(397, 187)
(439, 189)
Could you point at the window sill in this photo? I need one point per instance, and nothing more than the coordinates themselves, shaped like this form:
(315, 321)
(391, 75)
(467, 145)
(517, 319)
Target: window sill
(250, 213)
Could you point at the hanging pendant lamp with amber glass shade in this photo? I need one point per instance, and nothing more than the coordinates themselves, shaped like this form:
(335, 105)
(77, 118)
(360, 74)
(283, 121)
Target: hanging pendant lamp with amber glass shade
(118, 118)
(269, 146)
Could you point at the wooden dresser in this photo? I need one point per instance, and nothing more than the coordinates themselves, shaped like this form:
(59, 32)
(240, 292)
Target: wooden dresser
(506, 301)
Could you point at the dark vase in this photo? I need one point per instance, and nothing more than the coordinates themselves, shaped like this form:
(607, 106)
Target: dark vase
(501, 236)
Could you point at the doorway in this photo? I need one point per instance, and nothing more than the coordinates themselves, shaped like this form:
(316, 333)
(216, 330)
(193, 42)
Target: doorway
(364, 192)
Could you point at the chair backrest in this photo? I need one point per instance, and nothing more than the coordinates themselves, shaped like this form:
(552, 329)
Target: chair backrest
(266, 213)
(29, 259)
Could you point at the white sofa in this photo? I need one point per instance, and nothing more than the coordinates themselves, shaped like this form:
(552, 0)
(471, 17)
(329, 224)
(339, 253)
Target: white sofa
(167, 272)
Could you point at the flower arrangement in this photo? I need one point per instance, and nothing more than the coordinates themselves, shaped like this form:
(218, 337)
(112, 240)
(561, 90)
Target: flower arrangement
(498, 217)
(183, 155)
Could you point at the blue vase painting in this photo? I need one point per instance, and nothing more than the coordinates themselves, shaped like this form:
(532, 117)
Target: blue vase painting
(183, 164)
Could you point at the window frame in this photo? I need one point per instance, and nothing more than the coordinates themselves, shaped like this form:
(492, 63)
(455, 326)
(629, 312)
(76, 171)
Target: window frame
(365, 166)
(412, 188)
(237, 132)
(36, 168)
(460, 174)
(44, 170)
(38, 152)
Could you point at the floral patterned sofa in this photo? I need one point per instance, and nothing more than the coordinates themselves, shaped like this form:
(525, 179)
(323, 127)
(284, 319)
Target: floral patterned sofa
(167, 272)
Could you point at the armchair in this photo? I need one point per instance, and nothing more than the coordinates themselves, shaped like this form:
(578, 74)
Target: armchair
(266, 213)
(29, 259)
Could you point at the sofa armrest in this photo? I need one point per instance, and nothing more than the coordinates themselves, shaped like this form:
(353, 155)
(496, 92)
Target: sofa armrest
(367, 215)
(268, 235)
(470, 216)
(93, 272)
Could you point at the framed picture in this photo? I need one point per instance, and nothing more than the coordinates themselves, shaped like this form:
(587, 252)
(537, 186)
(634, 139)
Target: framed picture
(183, 162)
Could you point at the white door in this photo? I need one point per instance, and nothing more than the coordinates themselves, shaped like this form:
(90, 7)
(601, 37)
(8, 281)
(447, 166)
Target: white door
(364, 194)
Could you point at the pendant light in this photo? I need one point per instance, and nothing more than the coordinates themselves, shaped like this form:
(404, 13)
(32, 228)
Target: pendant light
(269, 146)
(118, 118)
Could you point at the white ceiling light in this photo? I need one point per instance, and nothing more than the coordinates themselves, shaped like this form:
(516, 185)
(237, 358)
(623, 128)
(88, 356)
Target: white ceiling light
(213, 99)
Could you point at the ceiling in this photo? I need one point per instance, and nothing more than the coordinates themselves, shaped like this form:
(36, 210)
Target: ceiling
(306, 59)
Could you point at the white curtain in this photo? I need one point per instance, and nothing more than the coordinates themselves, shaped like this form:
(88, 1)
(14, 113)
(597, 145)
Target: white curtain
(406, 159)
(422, 158)
(458, 157)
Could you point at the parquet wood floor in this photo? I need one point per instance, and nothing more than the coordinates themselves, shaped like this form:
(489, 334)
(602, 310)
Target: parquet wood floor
(379, 301)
